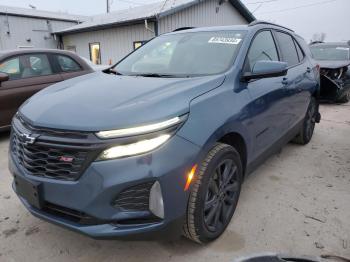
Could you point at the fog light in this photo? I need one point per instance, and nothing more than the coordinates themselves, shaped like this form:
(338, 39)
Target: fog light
(156, 205)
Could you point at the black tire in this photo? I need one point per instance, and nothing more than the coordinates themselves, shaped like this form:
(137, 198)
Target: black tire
(307, 130)
(344, 99)
(217, 190)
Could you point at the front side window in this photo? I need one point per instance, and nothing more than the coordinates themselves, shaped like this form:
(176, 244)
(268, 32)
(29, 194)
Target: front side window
(288, 49)
(12, 68)
(331, 52)
(25, 66)
(263, 48)
(67, 64)
(184, 54)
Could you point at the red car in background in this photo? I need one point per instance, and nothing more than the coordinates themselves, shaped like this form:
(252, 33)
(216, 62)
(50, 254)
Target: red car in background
(25, 72)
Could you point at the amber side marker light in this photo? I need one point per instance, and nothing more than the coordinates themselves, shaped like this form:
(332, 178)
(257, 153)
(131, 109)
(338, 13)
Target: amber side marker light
(190, 176)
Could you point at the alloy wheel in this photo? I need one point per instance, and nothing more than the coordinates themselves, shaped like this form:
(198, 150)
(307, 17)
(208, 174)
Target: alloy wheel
(222, 196)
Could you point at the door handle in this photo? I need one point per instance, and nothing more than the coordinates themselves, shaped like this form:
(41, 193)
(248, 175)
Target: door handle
(285, 81)
(308, 70)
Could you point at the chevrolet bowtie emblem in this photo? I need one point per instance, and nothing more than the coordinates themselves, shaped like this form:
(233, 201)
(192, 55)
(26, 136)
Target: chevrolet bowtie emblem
(27, 139)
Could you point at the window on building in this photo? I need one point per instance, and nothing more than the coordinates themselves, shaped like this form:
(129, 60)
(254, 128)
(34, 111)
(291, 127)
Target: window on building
(67, 64)
(263, 48)
(95, 54)
(138, 44)
(26, 66)
(289, 52)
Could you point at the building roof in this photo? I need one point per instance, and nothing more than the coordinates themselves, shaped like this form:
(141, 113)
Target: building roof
(26, 12)
(149, 11)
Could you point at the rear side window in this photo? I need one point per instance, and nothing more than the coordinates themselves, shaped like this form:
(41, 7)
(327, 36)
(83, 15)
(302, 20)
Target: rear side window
(287, 47)
(263, 48)
(299, 51)
(67, 64)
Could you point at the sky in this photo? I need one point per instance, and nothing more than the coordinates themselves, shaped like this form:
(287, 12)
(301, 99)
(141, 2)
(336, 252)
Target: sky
(305, 17)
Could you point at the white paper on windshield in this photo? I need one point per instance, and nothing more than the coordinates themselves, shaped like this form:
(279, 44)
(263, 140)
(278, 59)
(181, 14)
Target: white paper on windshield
(343, 48)
(225, 40)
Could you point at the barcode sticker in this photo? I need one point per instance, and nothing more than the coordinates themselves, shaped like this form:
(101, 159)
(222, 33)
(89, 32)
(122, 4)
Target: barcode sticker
(225, 40)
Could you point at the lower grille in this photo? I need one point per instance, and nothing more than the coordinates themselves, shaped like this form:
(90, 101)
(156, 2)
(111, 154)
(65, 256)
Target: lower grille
(71, 215)
(134, 198)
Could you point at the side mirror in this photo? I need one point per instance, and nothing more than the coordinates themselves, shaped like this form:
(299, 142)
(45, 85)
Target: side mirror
(4, 77)
(265, 69)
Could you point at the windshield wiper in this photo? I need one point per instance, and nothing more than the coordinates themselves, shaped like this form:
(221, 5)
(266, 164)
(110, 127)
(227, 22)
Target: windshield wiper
(112, 71)
(156, 75)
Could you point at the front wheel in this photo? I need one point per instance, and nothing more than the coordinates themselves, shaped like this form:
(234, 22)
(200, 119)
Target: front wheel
(214, 195)
(308, 127)
(344, 99)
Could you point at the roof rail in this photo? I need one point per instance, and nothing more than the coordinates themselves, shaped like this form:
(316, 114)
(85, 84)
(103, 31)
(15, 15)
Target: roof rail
(260, 22)
(183, 28)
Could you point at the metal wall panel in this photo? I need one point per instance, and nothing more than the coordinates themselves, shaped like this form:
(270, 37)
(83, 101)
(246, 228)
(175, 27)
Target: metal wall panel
(115, 43)
(21, 29)
(206, 13)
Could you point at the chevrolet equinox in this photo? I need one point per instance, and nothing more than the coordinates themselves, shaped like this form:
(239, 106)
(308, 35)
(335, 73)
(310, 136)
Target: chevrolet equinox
(159, 144)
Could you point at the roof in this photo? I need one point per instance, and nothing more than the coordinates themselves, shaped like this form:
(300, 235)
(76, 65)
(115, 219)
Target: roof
(140, 13)
(26, 12)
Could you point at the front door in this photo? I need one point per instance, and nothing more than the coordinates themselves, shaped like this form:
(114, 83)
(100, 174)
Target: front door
(268, 106)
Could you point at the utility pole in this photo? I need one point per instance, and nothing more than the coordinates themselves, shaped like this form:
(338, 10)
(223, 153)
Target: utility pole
(108, 6)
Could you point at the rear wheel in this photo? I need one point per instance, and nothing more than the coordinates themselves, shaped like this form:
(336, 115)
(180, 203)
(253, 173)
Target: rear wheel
(214, 195)
(307, 130)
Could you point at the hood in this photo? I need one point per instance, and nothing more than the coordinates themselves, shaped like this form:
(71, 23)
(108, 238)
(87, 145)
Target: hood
(328, 64)
(100, 101)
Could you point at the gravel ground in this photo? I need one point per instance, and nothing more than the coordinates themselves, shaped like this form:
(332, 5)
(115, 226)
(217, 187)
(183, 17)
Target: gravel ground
(296, 203)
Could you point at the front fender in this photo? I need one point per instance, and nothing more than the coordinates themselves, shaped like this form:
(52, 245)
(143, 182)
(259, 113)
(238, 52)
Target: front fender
(216, 114)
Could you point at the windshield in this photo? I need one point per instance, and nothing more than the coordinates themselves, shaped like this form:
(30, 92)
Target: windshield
(184, 54)
(337, 53)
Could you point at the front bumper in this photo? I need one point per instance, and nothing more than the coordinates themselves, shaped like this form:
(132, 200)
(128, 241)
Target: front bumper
(94, 192)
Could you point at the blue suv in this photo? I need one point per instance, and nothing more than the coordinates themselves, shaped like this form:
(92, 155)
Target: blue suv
(159, 144)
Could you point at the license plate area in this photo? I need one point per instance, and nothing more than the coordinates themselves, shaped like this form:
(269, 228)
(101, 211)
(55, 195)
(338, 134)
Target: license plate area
(29, 190)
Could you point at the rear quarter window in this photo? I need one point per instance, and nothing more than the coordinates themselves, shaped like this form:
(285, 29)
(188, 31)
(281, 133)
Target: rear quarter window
(287, 48)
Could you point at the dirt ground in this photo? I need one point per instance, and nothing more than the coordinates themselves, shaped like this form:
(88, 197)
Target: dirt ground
(298, 202)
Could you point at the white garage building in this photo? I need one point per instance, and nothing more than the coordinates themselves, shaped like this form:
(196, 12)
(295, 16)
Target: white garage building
(23, 28)
(108, 38)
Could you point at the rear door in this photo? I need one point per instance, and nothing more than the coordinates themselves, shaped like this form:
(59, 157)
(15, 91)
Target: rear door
(28, 74)
(268, 106)
(297, 82)
(68, 67)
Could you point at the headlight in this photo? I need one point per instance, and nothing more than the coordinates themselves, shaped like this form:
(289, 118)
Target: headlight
(140, 129)
(136, 148)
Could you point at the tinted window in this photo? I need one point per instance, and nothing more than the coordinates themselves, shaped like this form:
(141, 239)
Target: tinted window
(11, 67)
(184, 54)
(67, 64)
(299, 51)
(26, 66)
(286, 44)
(263, 48)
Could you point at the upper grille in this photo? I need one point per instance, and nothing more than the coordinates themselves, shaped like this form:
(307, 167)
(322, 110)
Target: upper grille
(54, 154)
(46, 161)
(134, 198)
